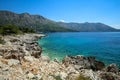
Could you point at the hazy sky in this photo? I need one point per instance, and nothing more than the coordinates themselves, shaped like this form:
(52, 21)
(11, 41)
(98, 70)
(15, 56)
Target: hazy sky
(104, 11)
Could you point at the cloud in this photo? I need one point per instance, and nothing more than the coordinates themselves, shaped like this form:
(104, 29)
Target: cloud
(116, 26)
(62, 20)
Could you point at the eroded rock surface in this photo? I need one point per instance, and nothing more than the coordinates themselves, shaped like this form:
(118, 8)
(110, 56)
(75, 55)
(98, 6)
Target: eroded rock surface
(20, 59)
(81, 62)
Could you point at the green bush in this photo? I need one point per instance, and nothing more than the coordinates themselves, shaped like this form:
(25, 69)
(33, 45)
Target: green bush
(81, 77)
(56, 77)
(2, 41)
(13, 30)
(9, 29)
(26, 30)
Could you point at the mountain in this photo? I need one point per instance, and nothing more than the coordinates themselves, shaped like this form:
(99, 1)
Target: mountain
(87, 27)
(42, 24)
(36, 22)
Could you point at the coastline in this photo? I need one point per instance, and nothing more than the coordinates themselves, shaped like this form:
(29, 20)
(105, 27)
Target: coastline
(104, 47)
(20, 58)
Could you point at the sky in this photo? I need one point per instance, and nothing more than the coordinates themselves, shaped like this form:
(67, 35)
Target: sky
(104, 11)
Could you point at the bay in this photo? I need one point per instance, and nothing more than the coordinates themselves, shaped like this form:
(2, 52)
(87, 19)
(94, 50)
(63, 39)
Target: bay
(105, 46)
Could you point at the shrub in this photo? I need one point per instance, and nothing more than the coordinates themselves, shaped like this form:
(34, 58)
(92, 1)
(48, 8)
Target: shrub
(9, 29)
(81, 77)
(56, 77)
(26, 30)
(13, 30)
(2, 41)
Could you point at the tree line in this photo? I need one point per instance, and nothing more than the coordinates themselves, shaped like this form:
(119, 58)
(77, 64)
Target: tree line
(12, 29)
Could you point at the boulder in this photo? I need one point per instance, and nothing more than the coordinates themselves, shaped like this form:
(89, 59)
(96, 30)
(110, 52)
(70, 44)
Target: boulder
(4, 77)
(30, 75)
(66, 61)
(109, 76)
(29, 58)
(11, 52)
(94, 64)
(45, 59)
(85, 62)
(34, 49)
(72, 70)
(13, 62)
(56, 60)
(36, 54)
(51, 78)
(112, 68)
(63, 75)
(38, 76)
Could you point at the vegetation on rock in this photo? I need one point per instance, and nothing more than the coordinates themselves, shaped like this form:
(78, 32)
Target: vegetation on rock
(9, 29)
(81, 77)
(26, 30)
(2, 41)
(12, 29)
(56, 77)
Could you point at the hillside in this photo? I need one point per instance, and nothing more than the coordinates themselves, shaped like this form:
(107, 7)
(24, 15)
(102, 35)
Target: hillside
(42, 24)
(36, 22)
(88, 27)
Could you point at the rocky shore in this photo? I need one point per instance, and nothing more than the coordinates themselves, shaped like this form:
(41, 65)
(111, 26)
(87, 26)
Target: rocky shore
(20, 59)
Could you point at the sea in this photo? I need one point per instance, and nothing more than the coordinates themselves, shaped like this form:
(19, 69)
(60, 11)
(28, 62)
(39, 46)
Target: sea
(105, 46)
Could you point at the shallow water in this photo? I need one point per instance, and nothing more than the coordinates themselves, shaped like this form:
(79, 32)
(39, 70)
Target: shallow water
(105, 46)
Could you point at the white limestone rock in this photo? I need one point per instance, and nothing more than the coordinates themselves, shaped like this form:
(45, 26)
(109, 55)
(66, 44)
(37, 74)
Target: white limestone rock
(13, 62)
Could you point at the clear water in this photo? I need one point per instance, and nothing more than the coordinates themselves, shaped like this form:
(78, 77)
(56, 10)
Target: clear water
(105, 46)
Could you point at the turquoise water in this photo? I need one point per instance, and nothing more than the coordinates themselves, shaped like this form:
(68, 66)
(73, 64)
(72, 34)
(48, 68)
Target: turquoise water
(105, 46)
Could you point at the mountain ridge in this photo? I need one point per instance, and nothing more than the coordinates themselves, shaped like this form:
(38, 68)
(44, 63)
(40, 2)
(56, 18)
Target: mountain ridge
(42, 24)
(36, 22)
(88, 27)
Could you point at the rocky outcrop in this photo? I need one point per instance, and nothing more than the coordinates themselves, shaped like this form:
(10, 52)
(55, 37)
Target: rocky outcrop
(81, 62)
(21, 59)
(112, 68)
(17, 47)
(9, 52)
(109, 76)
(90, 67)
